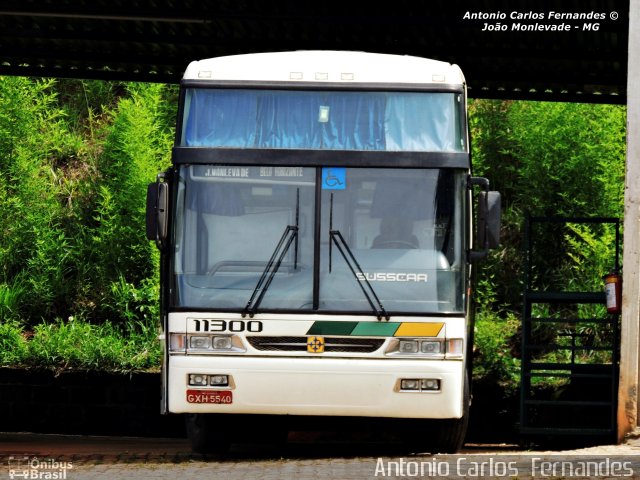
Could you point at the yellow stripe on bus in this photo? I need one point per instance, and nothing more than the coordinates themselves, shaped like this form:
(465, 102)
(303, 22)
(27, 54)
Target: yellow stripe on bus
(407, 329)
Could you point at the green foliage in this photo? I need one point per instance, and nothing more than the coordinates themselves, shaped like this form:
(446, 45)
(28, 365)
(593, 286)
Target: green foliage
(10, 300)
(572, 157)
(550, 159)
(75, 158)
(79, 345)
(13, 346)
(547, 159)
(591, 248)
(34, 249)
(135, 303)
(494, 361)
(135, 150)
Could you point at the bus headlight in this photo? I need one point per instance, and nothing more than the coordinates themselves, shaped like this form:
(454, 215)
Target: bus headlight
(222, 343)
(206, 344)
(416, 347)
(430, 346)
(199, 342)
(408, 346)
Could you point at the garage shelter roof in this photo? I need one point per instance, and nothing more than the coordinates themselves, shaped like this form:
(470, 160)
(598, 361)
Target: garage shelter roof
(571, 50)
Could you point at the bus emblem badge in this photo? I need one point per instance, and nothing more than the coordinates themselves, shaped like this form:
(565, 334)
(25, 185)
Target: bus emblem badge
(315, 345)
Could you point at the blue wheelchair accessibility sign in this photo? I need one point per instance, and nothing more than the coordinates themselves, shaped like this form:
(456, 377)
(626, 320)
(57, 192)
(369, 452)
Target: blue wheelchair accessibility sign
(334, 178)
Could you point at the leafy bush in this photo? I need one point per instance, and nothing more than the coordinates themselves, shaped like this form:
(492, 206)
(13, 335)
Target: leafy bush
(35, 249)
(495, 340)
(79, 345)
(75, 158)
(136, 149)
(10, 300)
(72, 197)
(549, 159)
(13, 346)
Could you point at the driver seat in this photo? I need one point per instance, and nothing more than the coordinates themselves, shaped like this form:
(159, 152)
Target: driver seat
(396, 232)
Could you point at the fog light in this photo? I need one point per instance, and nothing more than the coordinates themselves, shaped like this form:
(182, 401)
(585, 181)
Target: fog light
(199, 380)
(409, 384)
(219, 380)
(430, 384)
(222, 343)
(408, 346)
(430, 347)
(199, 342)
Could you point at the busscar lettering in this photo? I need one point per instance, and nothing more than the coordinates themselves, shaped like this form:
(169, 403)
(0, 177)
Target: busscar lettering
(391, 277)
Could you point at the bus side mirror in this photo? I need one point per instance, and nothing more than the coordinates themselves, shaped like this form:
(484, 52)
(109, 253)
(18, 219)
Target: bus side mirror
(157, 211)
(488, 220)
(489, 216)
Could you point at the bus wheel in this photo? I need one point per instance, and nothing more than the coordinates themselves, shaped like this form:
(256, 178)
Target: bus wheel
(449, 434)
(441, 436)
(207, 433)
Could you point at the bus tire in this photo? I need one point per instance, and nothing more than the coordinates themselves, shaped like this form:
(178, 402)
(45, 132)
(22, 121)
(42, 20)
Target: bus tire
(441, 436)
(207, 433)
(450, 434)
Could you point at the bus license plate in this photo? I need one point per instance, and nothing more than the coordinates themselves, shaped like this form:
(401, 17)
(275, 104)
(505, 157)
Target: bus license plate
(205, 396)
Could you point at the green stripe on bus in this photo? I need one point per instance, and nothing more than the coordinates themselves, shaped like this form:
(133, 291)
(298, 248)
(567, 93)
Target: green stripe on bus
(332, 328)
(375, 329)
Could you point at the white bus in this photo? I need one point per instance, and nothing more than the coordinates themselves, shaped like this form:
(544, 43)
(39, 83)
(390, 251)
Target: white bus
(317, 245)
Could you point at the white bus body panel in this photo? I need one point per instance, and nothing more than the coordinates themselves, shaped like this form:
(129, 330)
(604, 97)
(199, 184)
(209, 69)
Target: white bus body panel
(329, 384)
(325, 66)
(322, 386)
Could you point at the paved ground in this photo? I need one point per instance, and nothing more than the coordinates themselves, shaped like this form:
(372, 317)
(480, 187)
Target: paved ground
(306, 456)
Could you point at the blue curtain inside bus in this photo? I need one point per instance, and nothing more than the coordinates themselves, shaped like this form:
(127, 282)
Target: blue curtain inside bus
(391, 121)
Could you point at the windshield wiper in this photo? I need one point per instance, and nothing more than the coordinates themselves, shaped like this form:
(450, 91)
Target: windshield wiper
(288, 236)
(335, 236)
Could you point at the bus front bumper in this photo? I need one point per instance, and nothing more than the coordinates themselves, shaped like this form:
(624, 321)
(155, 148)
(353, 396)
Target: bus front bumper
(317, 386)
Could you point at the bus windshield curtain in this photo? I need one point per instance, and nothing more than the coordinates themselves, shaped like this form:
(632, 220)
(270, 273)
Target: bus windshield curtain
(392, 121)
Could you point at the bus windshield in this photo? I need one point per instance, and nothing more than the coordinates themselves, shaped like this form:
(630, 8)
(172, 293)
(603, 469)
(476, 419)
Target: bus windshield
(317, 120)
(402, 226)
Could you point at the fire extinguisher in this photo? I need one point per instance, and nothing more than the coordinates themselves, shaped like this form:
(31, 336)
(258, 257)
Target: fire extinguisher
(613, 291)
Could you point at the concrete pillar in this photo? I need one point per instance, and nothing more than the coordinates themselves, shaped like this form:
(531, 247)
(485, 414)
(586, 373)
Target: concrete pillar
(630, 338)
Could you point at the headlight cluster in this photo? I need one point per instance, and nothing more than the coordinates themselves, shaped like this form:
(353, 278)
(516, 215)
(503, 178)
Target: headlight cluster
(190, 343)
(203, 380)
(419, 385)
(420, 346)
(426, 347)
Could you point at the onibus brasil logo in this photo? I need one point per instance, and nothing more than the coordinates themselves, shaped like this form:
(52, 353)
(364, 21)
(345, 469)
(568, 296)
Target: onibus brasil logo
(34, 468)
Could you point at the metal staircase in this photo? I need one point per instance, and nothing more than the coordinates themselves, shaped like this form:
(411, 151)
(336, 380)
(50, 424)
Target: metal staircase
(570, 344)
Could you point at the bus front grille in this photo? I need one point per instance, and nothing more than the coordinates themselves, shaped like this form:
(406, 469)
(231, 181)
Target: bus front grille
(332, 344)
